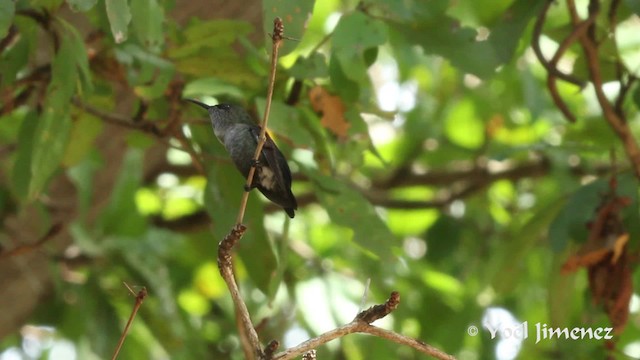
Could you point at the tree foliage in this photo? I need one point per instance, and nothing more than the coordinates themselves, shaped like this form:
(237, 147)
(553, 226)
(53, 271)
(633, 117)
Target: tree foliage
(471, 155)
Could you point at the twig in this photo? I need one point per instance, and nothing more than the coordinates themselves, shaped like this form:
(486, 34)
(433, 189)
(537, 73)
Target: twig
(226, 271)
(145, 126)
(362, 324)
(551, 78)
(552, 65)
(535, 45)
(271, 348)
(25, 248)
(117, 119)
(557, 99)
(139, 299)
(277, 37)
(617, 121)
(625, 84)
(250, 336)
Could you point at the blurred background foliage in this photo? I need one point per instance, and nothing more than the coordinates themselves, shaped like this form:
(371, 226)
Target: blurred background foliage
(427, 154)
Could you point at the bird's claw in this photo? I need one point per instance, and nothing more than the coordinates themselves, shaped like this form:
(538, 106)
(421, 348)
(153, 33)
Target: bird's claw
(255, 163)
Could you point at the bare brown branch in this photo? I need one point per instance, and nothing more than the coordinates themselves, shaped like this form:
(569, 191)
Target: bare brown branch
(535, 45)
(22, 249)
(379, 311)
(225, 265)
(277, 37)
(618, 122)
(361, 324)
(139, 299)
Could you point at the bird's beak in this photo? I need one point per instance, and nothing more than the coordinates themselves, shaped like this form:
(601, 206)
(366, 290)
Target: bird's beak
(201, 104)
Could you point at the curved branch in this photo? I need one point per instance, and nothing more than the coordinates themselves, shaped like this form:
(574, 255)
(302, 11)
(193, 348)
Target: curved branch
(362, 324)
(251, 343)
(551, 78)
(618, 122)
(535, 45)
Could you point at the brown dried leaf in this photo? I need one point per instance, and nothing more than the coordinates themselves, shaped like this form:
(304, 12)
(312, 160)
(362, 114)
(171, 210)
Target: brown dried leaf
(618, 308)
(606, 258)
(619, 246)
(332, 110)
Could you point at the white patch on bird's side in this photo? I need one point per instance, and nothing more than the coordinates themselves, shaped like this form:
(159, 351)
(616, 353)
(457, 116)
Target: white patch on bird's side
(266, 178)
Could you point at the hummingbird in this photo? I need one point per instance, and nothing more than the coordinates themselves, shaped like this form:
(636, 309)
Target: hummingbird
(239, 134)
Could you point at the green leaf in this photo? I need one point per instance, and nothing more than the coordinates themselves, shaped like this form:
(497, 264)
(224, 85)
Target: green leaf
(158, 85)
(7, 11)
(225, 65)
(505, 35)
(214, 34)
(636, 96)
(119, 16)
(55, 122)
(443, 238)
(13, 60)
(571, 222)
(49, 5)
(479, 12)
(370, 56)
(82, 176)
(85, 130)
(64, 77)
(348, 89)
(507, 265)
(286, 121)
(356, 34)
(81, 5)
(459, 44)
(22, 166)
(348, 208)
(634, 5)
(148, 19)
(121, 216)
(295, 16)
(628, 187)
(211, 86)
(154, 72)
(463, 127)
(564, 300)
(51, 136)
(407, 10)
(81, 60)
(607, 58)
(311, 67)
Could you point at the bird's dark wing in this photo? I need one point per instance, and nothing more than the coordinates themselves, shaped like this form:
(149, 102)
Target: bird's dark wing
(274, 160)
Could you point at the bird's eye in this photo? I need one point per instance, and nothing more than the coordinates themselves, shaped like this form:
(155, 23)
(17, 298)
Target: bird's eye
(224, 106)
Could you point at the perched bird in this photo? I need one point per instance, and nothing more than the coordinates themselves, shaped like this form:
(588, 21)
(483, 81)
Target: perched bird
(239, 134)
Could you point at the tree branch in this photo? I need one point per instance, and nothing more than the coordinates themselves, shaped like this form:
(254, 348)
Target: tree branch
(475, 172)
(276, 37)
(225, 266)
(535, 45)
(618, 122)
(247, 331)
(362, 324)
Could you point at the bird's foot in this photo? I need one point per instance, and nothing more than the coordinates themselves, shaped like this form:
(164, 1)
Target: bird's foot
(255, 163)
